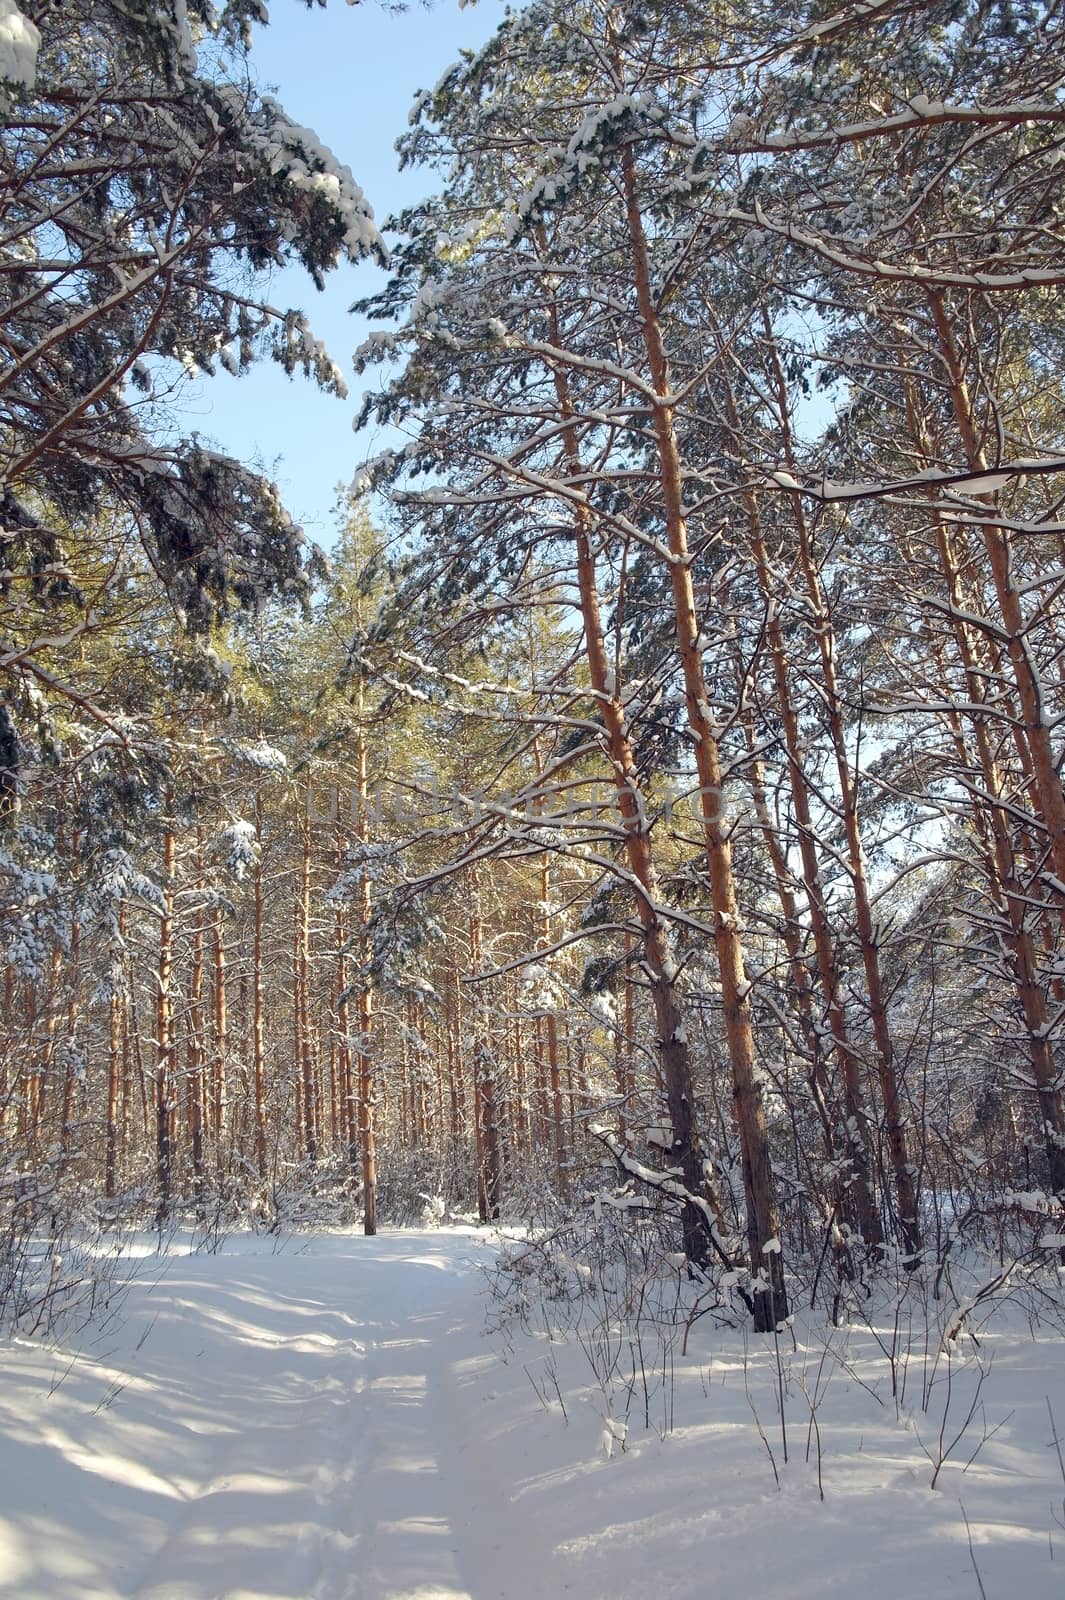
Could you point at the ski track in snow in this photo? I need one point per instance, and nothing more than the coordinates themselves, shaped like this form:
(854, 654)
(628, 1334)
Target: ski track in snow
(331, 1423)
(309, 1440)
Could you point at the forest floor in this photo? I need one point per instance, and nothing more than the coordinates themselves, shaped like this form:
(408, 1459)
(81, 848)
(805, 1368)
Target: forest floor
(333, 1422)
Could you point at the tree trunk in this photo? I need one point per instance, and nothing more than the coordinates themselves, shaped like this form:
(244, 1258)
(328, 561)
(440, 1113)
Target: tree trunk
(701, 1212)
(489, 1155)
(367, 1132)
(855, 1137)
(219, 1105)
(116, 1061)
(164, 1031)
(1041, 762)
(865, 924)
(305, 1049)
(194, 1069)
(258, 1038)
(763, 1221)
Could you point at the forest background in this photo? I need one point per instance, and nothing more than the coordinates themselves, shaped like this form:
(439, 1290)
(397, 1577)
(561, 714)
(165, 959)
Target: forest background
(658, 807)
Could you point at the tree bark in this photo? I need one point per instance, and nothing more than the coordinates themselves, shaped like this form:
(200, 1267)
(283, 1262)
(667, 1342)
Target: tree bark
(763, 1221)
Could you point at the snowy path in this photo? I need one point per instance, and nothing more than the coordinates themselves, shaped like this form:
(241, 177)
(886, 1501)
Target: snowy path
(331, 1423)
(297, 1426)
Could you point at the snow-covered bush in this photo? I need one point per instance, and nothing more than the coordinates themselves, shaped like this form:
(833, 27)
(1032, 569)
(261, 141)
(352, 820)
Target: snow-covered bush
(60, 1269)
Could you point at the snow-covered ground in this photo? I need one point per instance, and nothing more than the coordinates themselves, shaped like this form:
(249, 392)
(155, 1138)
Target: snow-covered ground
(332, 1422)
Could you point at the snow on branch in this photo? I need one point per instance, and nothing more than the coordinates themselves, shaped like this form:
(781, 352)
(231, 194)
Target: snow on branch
(920, 112)
(669, 1184)
(889, 271)
(960, 481)
(306, 164)
(19, 43)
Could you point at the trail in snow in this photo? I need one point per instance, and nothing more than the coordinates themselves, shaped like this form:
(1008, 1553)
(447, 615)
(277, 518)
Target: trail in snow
(293, 1425)
(332, 1423)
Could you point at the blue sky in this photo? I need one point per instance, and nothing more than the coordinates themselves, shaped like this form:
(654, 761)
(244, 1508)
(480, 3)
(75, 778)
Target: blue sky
(350, 72)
